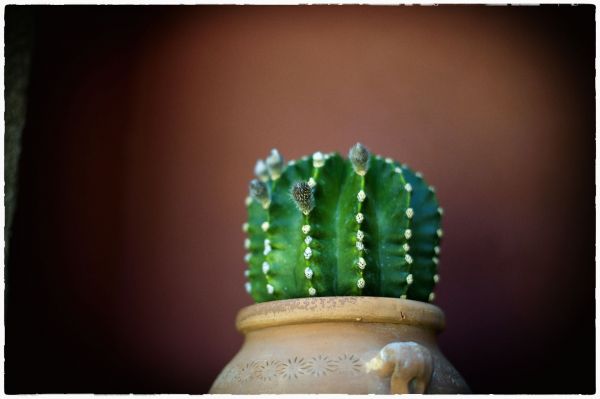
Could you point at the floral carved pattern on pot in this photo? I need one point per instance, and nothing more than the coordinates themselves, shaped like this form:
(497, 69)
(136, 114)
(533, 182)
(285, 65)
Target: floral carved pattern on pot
(348, 364)
(321, 365)
(294, 367)
(246, 372)
(269, 370)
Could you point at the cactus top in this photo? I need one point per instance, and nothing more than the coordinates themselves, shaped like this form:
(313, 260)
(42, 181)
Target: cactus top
(328, 226)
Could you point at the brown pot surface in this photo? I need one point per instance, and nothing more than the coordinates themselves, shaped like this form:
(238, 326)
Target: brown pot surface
(355, 345)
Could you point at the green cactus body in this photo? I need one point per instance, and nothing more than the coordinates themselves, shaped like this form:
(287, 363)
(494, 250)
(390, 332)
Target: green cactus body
(255, 244)
(386, 221)
(334, 227)
(426, 236)
(286, 260)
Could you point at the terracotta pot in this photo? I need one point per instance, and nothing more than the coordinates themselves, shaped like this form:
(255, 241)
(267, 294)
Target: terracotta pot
(354, 345)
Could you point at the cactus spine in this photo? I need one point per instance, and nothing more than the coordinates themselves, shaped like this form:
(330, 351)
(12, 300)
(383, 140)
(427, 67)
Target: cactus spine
(327, 226)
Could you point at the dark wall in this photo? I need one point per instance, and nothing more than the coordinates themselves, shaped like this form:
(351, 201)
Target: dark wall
(144, 123)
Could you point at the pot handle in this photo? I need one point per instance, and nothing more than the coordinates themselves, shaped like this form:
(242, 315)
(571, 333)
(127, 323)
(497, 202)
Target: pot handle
(409, 364)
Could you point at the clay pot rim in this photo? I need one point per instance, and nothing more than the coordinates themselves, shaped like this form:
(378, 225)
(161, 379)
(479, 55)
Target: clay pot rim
(361, 309)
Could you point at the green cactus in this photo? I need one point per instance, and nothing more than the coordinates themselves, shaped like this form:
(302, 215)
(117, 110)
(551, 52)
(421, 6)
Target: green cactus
(327, 226)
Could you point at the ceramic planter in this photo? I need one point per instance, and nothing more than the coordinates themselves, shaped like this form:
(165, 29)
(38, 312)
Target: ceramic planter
(354, 345)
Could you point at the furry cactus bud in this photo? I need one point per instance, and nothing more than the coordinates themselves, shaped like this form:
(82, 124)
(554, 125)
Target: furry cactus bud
(359, 156)
(303, 195)
(260, 192)
(275, 164)
(261, 171)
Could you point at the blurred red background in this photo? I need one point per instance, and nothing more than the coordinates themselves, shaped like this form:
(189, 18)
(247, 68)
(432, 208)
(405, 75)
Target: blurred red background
(144, 123)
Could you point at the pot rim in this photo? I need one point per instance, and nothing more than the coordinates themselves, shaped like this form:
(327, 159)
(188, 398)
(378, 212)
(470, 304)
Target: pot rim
(361, 309)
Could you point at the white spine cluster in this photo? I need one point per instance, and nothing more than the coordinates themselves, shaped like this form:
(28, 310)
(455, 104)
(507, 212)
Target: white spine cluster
(264, 226)
(265, 267)
(267, 245)
(361, 196)
(436, 249)
(359, 218)
(360, 235)
(361, 263)
(308, 273)
(318, 159)
(307, 253)
(409, 212)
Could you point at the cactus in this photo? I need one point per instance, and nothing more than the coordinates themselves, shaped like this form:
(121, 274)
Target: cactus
(329, 226)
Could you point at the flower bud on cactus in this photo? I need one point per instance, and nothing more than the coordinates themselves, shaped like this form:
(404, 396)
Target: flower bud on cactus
(260, 192)
(261, 171)
(359, 156)
(275, 164)
(303, 195)
(363, 226)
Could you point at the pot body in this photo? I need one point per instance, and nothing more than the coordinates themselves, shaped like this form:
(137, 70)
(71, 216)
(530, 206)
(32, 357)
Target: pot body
(354, 345)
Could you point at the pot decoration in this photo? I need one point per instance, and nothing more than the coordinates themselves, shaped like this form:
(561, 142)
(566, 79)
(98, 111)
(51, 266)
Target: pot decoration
(344, 254)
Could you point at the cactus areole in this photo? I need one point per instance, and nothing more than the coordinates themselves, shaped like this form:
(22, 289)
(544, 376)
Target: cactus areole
(329, 226)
